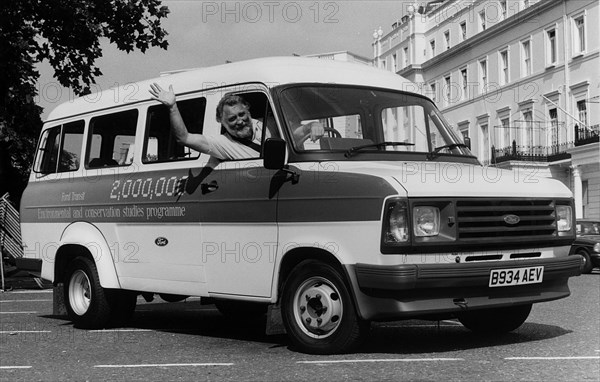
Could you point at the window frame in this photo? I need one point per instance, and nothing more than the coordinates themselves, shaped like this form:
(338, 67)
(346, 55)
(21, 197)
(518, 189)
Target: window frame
(504, 67)
(463, 31)
(482, 66)
(41, 151)
(526, 58)
(90, 134)
(551, 46)
(447, 41)
(182, 107)
(579, 38)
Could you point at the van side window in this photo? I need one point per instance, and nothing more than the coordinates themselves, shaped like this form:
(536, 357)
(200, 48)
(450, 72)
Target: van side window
(261, 111)
(159, 144)
(111, 139)
(60, 148)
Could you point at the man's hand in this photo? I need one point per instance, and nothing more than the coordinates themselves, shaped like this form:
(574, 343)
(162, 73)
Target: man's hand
(315, 130)
(166, 97)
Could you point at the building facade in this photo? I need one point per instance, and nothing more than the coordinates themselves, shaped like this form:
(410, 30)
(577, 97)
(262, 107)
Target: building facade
(520, 78)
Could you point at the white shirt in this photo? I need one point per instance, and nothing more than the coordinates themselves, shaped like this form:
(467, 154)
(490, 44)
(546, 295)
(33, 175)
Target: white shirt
(226, 148)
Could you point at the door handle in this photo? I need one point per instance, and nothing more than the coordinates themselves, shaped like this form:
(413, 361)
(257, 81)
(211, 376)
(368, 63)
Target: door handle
(209, 187)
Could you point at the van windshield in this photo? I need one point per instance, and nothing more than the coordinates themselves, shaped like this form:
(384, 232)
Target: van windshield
(360, 121)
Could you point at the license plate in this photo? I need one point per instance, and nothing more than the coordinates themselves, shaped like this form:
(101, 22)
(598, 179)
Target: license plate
(516, 276)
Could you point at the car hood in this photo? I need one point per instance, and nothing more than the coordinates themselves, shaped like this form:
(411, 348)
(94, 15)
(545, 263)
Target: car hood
(450, 179)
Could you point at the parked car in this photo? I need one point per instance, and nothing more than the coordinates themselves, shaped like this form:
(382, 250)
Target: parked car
(587, 243)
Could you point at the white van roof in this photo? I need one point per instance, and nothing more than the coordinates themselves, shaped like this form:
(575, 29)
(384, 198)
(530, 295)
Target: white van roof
(272, 71)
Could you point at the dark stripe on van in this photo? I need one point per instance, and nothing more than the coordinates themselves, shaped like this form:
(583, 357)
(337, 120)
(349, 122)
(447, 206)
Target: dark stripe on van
(231, 195)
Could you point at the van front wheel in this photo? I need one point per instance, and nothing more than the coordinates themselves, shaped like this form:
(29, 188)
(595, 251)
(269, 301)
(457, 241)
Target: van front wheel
(318, 311)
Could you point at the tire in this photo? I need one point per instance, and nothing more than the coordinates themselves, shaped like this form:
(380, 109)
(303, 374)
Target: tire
(498, 320)
(587, 261)
(89, 305)
(318, 311)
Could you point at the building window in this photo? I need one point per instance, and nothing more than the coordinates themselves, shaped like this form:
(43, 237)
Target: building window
(394, 63)
(526, 63)
(579, 35)
(463, 30)
(482, 24)
(551, 47)
(483, 76)
(447, 90)
(528, 129)
(433, 90)
(582, 111)
(505, 125)
(504, 78)
(405, 56)
(432, 46)
(585, 196)
(447, 39)
(464, 84)
(553, 115)
(485, 144)
(503, 10)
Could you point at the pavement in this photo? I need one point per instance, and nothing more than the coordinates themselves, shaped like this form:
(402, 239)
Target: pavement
(15, 279)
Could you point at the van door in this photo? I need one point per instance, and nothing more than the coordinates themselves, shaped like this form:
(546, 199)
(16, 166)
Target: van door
(238, 215)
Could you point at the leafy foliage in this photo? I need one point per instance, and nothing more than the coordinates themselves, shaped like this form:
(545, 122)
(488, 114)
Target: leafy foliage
(66, 33)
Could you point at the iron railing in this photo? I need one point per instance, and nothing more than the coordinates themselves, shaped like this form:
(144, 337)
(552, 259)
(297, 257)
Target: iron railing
(586, 135)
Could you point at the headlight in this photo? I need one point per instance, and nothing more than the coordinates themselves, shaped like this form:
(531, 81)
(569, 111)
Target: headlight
(396, 230)
(564, 218)
(597, 247)
(426, 221)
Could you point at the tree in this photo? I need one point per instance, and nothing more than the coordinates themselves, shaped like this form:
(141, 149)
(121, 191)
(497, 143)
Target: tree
(66, 33)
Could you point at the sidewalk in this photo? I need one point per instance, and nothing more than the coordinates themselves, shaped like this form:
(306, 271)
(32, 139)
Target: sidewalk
(23, 280)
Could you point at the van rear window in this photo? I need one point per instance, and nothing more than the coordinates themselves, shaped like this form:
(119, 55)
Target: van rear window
(60, 148)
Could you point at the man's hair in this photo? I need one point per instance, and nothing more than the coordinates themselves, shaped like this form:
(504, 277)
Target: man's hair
(230, 100)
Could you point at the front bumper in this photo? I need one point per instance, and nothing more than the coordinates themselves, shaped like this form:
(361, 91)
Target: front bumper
(412, 290)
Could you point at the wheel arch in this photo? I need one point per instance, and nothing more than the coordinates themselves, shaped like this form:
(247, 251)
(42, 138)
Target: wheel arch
(298, 255)
(85, 239)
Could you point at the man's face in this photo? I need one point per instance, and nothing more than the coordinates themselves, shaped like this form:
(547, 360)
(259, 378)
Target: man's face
(237, 120)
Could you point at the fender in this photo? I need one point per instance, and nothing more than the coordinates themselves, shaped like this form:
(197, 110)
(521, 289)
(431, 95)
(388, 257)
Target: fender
(89, 236)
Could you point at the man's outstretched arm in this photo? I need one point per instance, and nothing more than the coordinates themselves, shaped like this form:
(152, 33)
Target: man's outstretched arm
(167, 97)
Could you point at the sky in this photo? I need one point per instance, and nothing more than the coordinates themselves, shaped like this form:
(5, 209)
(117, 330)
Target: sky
(206, 33)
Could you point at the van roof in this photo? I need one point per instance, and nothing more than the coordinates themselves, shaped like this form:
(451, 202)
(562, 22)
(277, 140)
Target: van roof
(272, 71)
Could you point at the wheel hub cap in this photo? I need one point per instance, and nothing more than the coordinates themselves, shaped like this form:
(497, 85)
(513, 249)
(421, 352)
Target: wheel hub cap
(318, 308)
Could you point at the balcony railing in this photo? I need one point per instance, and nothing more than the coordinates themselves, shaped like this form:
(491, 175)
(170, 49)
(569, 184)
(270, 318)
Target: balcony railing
(586, 135)
(527, 153)
(532, 141)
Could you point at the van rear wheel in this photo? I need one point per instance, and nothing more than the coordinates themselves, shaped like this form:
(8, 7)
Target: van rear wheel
(318, 311)
(85, 299)
(89, 305)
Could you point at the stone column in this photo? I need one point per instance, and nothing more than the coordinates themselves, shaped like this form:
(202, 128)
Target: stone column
(577, 191)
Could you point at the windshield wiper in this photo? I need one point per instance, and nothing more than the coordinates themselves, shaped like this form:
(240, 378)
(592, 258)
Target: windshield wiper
(355, 149)
(437, 150)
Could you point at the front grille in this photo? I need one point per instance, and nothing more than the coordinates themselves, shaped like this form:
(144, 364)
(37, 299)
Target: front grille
(513, 219)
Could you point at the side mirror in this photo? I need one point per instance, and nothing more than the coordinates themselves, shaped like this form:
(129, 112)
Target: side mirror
(274, 153)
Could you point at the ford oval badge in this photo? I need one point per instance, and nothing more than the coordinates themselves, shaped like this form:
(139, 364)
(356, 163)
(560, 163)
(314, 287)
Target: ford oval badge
(511, 219)
(161, 241)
